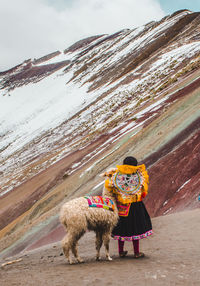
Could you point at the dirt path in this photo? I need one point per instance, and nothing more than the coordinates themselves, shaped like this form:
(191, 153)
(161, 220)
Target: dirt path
(172, 258)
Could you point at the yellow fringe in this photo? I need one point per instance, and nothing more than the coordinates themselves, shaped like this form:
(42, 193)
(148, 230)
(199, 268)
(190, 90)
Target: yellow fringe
(129, 199)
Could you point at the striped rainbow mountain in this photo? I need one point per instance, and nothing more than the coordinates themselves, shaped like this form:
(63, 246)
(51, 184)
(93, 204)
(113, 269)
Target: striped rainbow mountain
(70, 115)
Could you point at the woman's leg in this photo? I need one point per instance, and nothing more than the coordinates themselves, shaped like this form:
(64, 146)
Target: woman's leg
(122, 253)
(121, 246)
(136, 246)
(137, 253)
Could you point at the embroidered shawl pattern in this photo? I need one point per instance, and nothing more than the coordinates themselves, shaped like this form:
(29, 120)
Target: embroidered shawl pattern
(129, 182)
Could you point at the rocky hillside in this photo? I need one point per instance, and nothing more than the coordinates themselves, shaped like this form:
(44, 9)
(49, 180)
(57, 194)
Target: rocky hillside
(66, 117)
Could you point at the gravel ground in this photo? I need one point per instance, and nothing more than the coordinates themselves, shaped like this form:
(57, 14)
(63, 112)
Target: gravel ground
(172, 257)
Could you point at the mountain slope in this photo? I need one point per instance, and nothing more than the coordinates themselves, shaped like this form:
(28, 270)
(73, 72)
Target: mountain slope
(68, 116)
(49, 103)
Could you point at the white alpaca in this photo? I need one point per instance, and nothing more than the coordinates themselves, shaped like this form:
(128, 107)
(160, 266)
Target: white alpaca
(78, 217)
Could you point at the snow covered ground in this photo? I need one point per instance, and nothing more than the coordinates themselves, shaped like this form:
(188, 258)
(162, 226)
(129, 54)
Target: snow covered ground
(29, 112)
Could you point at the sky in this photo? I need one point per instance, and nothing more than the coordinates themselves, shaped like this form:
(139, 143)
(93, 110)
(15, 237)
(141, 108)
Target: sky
(169, 6)
(34, 28)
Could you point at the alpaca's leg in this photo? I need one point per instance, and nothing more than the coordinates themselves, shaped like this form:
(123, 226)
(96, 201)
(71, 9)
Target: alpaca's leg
(75, 247)
(75, 252)
(99, 242)
(106, 241)
(67, 245)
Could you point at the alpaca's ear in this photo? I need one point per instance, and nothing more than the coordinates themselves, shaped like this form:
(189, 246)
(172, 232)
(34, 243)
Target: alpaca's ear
(103, 175)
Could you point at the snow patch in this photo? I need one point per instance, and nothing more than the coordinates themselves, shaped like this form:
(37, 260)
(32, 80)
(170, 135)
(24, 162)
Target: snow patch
(183, 185)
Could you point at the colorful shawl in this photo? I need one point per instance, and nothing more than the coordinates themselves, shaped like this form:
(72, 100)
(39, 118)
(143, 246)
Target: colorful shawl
(123, 210)
(130, 182)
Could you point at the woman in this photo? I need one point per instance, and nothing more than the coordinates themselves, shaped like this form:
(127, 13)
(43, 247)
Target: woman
(130, 184)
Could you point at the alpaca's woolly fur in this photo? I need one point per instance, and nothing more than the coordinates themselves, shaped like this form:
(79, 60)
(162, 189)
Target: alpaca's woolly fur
(78, 217)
